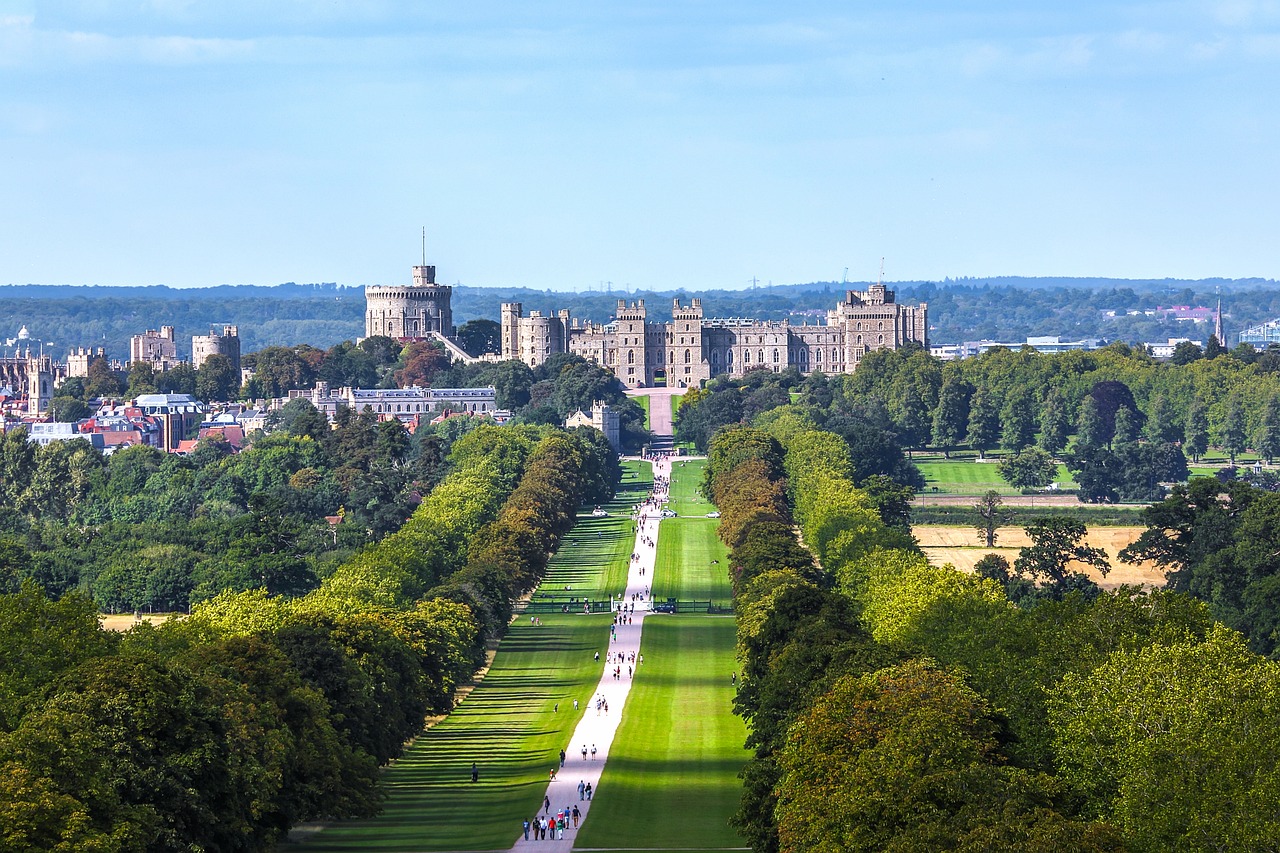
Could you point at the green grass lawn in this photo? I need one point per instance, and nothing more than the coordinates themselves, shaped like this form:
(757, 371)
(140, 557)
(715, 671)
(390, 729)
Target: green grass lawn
(968, 477)
(643, 402)
(672, 777)
(676, 401)
(687, 548)
(688, 545)
(507, 725)
(686, 478)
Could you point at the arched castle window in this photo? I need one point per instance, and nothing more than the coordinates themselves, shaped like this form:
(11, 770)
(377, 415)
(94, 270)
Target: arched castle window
(687, 357)
(859, 338)
(631, 357)
(834, 357)
(859, 326)
(775, 356)
(671, 357)
(882, 340)
(728, 356)
(761, 359)
(881, 328)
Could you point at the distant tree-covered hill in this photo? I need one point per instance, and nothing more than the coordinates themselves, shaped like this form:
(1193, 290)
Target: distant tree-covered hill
(1002, 308)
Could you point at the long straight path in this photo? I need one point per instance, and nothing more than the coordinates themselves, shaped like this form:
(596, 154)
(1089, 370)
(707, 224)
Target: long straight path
(598, 726)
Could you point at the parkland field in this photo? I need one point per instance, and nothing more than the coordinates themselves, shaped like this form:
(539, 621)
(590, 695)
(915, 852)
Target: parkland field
(678, 743)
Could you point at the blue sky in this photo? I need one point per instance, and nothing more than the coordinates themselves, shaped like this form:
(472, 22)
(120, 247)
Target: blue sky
(652, 144)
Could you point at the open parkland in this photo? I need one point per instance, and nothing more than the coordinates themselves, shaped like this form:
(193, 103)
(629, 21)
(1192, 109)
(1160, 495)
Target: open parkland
(669, 779)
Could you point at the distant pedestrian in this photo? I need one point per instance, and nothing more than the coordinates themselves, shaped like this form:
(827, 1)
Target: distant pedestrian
(584, 752)
(588, 790)
(546, 805)
(582, 786)
(593, 752)
(576, 815)
(562, 758)
(526, 830)
(575, 704)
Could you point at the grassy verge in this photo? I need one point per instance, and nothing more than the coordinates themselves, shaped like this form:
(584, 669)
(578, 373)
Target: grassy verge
(693, 564)
(686, 478)
(1093, 515)
(672, 776)
(508, 725)
(643, 402)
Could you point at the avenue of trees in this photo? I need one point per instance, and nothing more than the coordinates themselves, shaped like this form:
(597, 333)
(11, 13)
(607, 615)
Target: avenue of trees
(221, 730)
(896, 705)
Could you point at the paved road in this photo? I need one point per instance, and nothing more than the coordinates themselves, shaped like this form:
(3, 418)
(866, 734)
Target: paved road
(598, 729)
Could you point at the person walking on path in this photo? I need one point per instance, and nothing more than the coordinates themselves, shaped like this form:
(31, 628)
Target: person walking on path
(562, 759)
(526, 830)
(582, 790)
(593, 752)
(584, 752)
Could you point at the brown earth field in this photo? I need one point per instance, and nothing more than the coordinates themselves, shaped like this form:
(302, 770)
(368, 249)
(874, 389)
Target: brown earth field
(959, 546)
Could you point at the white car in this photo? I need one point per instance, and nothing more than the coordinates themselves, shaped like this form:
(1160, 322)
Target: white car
(668, 513)
(715, 514)
(598, 513)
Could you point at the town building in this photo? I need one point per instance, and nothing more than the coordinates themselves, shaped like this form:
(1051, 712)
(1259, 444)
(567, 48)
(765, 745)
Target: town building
(180, 415)
(603, 418)
(402, 404)
(221, 340)
(693, 348)
(79, 359)
(157, 348)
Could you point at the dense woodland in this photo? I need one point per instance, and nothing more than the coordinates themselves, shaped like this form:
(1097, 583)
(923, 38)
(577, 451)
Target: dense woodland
(1005, 309)
(893, 705)
(145, 530)
(222, 730)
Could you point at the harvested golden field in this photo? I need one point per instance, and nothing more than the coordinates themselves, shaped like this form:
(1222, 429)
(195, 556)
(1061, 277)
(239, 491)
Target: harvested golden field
(125, 621)
(959, 547)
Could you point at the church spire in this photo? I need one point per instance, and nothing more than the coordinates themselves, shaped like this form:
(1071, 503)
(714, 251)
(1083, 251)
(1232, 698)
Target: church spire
(1217, 324)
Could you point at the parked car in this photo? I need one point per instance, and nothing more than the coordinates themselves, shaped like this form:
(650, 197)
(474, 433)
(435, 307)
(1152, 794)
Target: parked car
(715, 514)
(598, 513)
(668, 513)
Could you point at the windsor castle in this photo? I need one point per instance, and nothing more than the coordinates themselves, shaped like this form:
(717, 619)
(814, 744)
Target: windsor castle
(682, 353)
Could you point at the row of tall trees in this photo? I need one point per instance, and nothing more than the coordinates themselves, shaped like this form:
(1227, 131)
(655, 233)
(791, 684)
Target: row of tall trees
(222, 730)
(897, 705)
(1116, 398)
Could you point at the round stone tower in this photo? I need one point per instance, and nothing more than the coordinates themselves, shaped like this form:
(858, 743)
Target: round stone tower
(407, 313)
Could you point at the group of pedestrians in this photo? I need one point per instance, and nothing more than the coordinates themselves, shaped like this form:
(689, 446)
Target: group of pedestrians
(552, 826)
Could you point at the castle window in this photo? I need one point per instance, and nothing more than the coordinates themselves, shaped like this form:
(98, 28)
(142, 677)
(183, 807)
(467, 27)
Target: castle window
(746, 356)
(761, 354)
(882, 340)
(859, 326)
(881, 328)
(834, 357)
(631, 359)
(775, 356)
(817, 356)
(671, 357)
(686, 356)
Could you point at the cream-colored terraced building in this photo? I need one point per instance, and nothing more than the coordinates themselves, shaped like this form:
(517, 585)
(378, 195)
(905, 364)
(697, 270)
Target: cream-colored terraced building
(691, 348)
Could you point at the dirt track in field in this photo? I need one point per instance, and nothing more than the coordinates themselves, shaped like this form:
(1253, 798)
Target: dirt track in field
(959, 547)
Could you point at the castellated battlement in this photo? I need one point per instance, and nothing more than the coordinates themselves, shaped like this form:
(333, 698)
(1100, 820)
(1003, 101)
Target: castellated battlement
(409, 312)
(690, 349)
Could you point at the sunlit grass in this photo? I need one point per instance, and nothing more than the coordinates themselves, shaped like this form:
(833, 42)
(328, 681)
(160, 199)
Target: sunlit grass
(672, 777)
